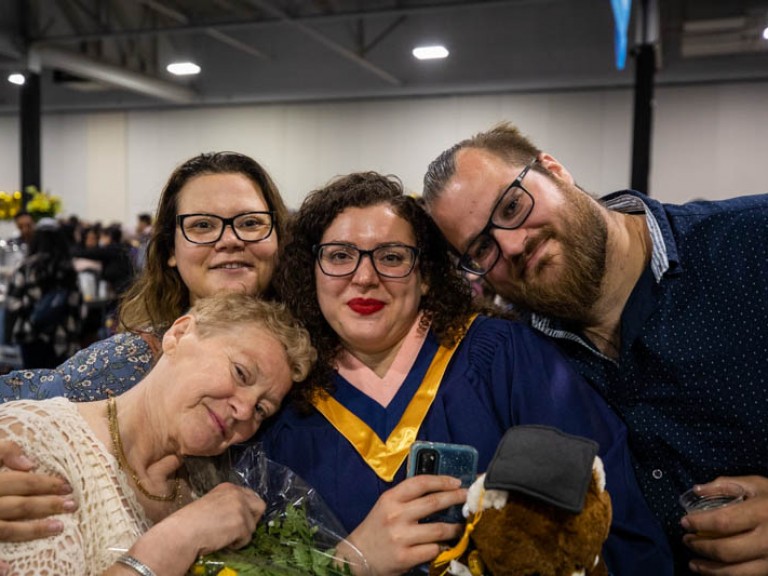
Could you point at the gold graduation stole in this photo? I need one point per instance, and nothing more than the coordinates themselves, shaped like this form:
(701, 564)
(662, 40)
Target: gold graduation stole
(385, 458)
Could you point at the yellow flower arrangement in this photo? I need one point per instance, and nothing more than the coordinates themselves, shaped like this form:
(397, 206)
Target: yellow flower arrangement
(39, 205)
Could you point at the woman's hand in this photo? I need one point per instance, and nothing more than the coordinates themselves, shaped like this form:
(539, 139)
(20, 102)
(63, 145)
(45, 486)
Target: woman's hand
(27, 499)
(732, 541)
(224, 517)
(392, 540)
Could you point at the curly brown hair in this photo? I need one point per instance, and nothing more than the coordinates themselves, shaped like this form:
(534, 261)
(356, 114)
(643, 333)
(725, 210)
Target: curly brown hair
(159, 295)
(447, 305)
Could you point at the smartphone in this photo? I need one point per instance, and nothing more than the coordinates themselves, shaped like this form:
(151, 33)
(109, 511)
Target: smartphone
(457, 460)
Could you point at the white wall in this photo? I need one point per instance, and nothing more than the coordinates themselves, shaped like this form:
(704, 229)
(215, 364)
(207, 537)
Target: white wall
(708, 142)
(65, 161)
(711, 143)
(10, 167)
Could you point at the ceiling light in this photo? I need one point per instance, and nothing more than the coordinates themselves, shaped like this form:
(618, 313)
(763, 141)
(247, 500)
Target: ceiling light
(765, 33)
(430, 52)
(17, 79)
(183, 68)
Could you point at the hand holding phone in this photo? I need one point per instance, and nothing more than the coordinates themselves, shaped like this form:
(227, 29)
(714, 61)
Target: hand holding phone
(457, 460)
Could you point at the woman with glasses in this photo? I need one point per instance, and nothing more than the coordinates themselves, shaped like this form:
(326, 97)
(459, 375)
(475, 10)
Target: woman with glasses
(217, 228)
(403, 357)
(218, 224)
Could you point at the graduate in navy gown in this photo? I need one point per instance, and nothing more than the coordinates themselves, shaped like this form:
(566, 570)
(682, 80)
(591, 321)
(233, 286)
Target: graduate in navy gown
(403, 356)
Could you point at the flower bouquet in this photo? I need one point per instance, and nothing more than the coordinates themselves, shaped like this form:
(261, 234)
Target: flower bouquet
(38, 205)
(10, 204)
(298, 534)
(42, 204)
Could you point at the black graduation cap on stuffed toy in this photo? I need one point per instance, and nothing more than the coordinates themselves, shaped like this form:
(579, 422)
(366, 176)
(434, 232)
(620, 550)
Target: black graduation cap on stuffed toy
(544, 463)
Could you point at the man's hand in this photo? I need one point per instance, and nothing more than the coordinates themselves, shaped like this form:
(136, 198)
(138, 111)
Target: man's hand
(27, 499)
(732, 541)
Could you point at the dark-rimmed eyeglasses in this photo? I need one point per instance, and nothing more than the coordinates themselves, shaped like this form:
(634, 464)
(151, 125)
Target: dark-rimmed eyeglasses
(389, 260)
(209, 228)
(510, 212)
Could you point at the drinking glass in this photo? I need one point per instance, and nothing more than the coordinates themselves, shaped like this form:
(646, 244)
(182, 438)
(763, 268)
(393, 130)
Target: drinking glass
(711, 497)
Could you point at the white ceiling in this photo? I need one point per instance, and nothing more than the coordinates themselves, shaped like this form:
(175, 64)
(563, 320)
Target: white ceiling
(95, 54)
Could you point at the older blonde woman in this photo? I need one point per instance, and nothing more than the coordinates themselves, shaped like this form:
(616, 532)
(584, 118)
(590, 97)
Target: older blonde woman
(225, 367)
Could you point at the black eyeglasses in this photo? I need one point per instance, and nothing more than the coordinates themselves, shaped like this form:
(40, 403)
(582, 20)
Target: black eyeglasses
(510, 212)
(209, 228)
(389, 260)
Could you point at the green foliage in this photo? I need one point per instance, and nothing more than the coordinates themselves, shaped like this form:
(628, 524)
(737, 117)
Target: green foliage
(281, 547)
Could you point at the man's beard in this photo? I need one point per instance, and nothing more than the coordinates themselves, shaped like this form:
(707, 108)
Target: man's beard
(582, 234)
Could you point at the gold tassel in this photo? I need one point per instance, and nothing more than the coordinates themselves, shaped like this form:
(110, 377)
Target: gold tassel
(446, 556)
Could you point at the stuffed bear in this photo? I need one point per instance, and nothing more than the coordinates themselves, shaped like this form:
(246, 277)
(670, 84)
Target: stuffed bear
(540, 509)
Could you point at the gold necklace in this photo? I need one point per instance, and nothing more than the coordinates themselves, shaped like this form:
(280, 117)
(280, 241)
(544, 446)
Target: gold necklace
(122, 461)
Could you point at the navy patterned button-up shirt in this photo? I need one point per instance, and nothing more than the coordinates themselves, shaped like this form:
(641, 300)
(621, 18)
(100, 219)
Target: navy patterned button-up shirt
(692, 376)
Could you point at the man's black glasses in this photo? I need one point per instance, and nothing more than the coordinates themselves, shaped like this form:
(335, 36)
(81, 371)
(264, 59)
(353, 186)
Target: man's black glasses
(510, 212)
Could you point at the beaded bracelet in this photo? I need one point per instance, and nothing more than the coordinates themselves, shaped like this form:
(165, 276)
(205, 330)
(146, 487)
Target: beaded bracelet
(138, 566)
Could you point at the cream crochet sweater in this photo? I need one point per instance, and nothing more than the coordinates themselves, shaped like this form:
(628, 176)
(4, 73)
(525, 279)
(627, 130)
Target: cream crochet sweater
(109, 518)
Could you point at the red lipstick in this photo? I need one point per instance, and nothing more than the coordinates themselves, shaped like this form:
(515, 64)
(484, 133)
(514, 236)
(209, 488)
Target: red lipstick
(365, 306)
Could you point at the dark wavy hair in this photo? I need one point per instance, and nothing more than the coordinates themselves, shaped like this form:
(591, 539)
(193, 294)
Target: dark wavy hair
(447, 305)
(50, 257)
(159, 295)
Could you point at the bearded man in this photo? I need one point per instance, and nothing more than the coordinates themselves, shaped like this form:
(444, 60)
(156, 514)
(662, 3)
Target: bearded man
(662, 308)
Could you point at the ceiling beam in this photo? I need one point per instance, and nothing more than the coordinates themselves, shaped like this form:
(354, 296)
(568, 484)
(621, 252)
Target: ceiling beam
(40, 57)
(327, 42)
(314, 19)
(208, 31)
(8, 47)
(367, 47)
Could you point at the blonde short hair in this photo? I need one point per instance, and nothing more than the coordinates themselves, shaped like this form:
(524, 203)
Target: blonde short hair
(226, 311)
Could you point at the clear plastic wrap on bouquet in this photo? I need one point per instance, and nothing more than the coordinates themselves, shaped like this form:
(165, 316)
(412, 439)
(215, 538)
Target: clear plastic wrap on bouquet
(298, 534)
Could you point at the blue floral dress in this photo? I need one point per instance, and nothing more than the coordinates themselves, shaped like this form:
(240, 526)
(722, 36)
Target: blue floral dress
(108, 366)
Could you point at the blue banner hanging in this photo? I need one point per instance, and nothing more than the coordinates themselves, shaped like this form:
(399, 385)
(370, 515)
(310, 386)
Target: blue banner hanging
(621, 10)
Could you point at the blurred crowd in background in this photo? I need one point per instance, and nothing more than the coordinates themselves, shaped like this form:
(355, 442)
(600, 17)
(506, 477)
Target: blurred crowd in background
(60, 282)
